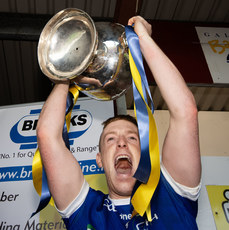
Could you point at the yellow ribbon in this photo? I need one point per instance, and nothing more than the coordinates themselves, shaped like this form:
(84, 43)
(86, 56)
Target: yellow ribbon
(143, 195)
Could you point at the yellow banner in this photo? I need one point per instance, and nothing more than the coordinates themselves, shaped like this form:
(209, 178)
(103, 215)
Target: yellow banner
(219, 200)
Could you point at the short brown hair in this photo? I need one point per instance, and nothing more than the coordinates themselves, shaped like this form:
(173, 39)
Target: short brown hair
(117, 118)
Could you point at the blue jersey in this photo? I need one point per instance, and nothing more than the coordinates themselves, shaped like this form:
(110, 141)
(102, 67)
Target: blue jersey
(169, 211)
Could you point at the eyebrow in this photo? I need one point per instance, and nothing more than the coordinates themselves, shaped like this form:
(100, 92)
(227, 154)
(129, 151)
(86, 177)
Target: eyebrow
(114, 132)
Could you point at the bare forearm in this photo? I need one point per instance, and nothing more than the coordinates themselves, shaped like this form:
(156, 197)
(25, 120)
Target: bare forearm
(61, 167)
(52, 116)
(169, 80)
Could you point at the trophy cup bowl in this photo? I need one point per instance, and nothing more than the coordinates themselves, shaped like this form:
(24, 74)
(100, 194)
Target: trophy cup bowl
(93, 56)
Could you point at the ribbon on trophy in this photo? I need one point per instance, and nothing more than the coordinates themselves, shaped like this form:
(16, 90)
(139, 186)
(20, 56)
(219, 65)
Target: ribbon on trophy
(148, 171)
(39, 176)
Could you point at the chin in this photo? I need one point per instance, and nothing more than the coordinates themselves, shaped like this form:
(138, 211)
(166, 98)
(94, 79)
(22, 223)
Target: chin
(126, 188)
(124, 193)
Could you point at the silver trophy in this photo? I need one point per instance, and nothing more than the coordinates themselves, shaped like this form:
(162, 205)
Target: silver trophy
(94, 56)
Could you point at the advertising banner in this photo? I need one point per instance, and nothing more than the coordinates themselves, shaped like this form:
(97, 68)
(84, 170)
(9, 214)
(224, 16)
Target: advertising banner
(215, 45)
(18, 197)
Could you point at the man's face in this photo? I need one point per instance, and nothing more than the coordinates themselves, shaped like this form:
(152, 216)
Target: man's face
(119, 156)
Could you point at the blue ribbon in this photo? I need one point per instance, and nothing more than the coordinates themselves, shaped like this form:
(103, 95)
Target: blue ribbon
(69, 105)
(143, 171)
(45, 194)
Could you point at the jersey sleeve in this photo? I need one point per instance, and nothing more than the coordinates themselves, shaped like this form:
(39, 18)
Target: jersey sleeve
(184, 191)
(77, 202)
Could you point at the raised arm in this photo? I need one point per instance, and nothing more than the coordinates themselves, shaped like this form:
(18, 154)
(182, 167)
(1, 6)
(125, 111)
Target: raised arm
(64, 174)
(180, 154)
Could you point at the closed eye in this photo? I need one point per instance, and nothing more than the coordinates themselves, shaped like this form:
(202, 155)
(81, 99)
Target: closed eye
(133, 138)
(110, 138)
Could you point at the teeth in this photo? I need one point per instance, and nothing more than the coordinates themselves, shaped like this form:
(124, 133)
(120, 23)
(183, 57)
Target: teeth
(122, 157)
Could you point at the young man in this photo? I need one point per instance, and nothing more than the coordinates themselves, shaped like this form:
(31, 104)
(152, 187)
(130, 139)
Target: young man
(174, 203)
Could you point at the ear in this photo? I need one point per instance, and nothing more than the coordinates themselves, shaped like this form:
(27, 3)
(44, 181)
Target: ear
(99, 160)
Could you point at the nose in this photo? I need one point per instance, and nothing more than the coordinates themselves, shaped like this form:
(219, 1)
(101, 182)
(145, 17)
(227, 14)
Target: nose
(122, 142)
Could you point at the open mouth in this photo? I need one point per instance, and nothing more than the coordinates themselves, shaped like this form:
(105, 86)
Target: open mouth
(123, 164)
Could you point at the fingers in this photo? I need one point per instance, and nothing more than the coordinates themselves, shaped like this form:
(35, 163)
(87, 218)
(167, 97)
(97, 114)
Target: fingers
(134, 19)
(141, 26)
